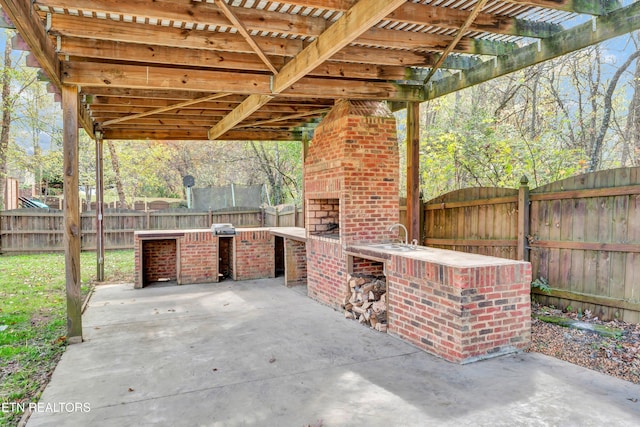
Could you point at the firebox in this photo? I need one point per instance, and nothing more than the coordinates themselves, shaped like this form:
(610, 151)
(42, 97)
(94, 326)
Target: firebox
(324, 217)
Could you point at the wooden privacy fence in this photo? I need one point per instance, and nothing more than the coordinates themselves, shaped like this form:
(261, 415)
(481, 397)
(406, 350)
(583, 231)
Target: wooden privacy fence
(582, 234)
(38, 230)
(283, 216)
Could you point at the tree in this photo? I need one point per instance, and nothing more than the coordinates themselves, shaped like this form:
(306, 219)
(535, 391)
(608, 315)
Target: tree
(630, 155)
(596, 152)
(6, 119)
(115, 164)
(280, 163)
(10, 94)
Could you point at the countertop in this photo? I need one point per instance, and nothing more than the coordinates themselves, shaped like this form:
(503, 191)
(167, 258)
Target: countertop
(432, 255)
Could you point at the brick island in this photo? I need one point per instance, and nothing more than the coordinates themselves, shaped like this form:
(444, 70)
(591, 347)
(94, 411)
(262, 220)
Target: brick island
(199, 256)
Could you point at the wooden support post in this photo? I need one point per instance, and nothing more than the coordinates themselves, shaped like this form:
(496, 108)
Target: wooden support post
(413, 171)
(71, 213)
(523, 219)
(99, 208)
(305, 152)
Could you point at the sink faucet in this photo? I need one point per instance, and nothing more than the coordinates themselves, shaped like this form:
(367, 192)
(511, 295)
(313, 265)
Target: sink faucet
(406, 233)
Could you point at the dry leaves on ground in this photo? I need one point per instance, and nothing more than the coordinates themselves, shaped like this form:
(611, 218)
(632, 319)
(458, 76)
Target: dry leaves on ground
(618, 357)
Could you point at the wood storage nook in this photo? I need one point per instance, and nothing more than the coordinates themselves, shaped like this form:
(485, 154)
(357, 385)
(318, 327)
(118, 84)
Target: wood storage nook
(365, 294)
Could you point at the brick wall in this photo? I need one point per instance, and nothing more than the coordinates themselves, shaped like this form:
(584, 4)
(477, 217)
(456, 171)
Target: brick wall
(198, 257)
(255, 254)
(296, 262)
(460, 314)
(326, 271)
(367, 267)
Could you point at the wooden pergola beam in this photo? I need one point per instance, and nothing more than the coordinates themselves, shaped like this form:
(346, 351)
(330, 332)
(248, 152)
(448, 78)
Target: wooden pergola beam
(195, 116)
(416, 13)
(141, 105)
(243, 31)
(392, 65)
(596, 7)
(117, 31)
(352, 24)
(160, 97)
(202, 135)
(242, 111)
(27, 23)
(128, 77)
(619, 22)
(476, 10)
(288, 117)
(164, 109)
(210, 14)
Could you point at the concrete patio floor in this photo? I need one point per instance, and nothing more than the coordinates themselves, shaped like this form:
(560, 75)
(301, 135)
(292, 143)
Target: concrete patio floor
(256, 353)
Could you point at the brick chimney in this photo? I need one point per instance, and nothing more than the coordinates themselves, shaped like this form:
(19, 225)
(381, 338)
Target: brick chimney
(351, 190)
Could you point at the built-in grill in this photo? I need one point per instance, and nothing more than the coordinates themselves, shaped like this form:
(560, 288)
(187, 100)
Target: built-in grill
(223, 229)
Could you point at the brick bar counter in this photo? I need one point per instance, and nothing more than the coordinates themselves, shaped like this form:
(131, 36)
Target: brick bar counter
(192, 256)
(459, 306)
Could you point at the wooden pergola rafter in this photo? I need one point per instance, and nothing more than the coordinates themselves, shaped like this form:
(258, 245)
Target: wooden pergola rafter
(270, 70)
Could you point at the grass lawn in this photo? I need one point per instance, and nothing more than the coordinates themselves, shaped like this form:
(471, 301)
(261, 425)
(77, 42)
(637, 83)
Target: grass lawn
(33, 317)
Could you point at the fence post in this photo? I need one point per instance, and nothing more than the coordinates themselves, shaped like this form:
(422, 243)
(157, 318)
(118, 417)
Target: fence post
(523, 219)
(421, 233)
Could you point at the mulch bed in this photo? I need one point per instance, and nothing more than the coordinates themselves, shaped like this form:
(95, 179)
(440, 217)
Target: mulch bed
(618, 357)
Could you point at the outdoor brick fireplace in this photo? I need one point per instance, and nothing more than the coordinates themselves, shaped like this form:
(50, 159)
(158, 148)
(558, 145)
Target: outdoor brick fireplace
(351, 190)
(462, 307)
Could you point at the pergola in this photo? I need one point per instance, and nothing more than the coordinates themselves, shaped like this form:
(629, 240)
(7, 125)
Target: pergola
(270, 70)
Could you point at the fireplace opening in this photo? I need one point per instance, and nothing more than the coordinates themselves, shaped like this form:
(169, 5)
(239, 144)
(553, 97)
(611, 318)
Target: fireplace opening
(225, 260)
(159, 262)
(365, 297)
(323, 216)
(279, 256)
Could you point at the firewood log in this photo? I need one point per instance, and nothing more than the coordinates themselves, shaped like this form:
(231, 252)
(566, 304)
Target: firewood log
(356, 281)
(379, 306)
(358, 310)
(345, 298)
(367, 288)
(373, 320)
